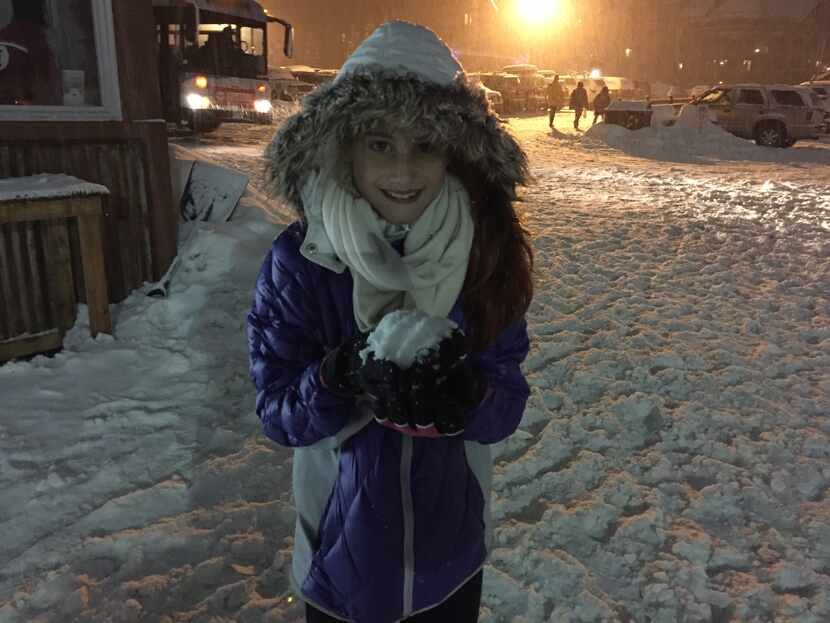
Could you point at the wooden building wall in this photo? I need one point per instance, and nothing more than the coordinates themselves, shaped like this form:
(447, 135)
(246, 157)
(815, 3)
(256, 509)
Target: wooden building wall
(129, 157)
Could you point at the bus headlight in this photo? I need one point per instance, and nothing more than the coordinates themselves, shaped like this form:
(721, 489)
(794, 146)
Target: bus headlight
(197, 102)
(262, 106)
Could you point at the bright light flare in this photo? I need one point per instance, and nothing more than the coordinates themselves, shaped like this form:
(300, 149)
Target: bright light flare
(262, 106)
(539, 12)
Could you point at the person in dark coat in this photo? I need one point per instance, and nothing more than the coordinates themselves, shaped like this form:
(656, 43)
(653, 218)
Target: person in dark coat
(578, 102)
(404, 183)
(555, 98)
(601, 102)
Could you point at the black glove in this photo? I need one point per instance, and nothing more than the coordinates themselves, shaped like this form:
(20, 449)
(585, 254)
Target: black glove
(445, 388)
(340, 368)
(440, 388)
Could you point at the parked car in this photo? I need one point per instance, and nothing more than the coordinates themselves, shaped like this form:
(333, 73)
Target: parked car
(632, 115)
(774, 115)
(508, 86)
(821, 88)
(531, 86)
(494, 98)
(699, 89)
(621, 87)
(312, 75)
(285, 86)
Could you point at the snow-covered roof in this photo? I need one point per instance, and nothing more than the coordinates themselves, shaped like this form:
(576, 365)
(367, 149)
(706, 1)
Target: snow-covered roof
(720, 10)
(47, 186)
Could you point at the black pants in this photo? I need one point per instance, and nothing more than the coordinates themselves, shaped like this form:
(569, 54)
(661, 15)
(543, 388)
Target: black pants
(461, 607)
(551, 115)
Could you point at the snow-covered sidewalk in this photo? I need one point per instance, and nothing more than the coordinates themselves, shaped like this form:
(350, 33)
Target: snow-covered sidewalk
(672, 466)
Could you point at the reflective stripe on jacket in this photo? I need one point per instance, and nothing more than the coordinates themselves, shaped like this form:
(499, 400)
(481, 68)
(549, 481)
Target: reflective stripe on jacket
(387, 525)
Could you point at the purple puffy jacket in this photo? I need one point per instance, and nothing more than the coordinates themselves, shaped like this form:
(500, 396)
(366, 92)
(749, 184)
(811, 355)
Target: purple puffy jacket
(387, 525)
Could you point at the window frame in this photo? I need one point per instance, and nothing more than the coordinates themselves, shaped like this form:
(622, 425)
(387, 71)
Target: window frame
(756, 90)
(107, 56)
(778, 102)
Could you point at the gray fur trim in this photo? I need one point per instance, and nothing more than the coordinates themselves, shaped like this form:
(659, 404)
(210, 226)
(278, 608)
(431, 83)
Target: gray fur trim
(456, 117)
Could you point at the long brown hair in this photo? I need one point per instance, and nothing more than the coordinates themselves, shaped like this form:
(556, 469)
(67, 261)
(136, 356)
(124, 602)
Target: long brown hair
(498, 288)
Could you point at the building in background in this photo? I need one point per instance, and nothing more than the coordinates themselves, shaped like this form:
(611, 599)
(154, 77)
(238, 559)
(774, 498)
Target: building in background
(675, 41)
(754, 40)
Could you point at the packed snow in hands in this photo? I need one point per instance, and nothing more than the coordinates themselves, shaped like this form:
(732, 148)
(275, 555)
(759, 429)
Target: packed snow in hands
(407, 336)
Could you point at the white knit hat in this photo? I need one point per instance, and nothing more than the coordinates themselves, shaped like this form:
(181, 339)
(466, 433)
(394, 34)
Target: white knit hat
(406, 47)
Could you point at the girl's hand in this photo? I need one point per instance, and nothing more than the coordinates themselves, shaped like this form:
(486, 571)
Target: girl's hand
(452, 396)
(340, 368)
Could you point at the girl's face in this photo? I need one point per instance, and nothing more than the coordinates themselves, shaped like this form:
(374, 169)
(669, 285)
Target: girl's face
(396, 174)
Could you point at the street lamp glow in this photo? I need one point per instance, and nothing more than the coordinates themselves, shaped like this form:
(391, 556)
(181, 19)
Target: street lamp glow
(539, 11)
(595, 74)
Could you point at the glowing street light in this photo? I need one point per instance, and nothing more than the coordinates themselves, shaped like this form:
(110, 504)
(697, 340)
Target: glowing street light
(627, 52)
(539, 12)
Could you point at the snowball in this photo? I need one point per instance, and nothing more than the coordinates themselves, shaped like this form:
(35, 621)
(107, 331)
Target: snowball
(404, 337)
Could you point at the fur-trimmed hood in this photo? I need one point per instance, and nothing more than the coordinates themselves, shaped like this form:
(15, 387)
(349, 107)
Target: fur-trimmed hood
(367, 95)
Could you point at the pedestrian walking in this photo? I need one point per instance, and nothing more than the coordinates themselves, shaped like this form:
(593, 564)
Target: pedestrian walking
(404, 186)
(601, 103)
(578, 102)
(555, 98)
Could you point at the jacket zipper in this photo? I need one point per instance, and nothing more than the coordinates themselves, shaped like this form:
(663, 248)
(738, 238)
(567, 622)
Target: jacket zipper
(408, 528)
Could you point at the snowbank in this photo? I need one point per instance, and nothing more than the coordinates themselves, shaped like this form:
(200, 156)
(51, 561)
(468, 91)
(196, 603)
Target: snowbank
(693, 138)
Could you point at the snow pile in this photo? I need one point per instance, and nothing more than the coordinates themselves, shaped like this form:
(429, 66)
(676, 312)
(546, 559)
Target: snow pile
(406, 336)
(692, 138)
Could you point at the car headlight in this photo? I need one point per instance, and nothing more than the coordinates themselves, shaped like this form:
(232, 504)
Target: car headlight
(262, 106)
(197, 102)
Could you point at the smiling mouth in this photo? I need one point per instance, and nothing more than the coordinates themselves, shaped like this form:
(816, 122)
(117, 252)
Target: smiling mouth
(408, 196)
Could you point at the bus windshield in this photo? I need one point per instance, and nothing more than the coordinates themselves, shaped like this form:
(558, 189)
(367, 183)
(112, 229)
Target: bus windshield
(224, 45)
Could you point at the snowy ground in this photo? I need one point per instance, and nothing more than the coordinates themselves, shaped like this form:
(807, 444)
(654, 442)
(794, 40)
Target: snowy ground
(672, 466)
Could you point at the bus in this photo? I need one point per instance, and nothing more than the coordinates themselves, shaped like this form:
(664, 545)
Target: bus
(213, 61)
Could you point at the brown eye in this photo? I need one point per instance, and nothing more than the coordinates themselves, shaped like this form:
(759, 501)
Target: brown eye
(379, 145)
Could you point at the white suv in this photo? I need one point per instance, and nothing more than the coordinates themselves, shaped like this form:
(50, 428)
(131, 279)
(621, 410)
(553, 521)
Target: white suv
(775, 115)
(822, 89)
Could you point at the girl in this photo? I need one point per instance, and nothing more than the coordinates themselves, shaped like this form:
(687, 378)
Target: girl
(403, 181)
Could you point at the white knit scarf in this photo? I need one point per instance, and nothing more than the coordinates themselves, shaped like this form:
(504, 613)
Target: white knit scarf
(430, 273)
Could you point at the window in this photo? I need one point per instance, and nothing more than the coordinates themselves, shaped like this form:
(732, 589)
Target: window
(787, 98)
(58, 60)
(751, 96)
